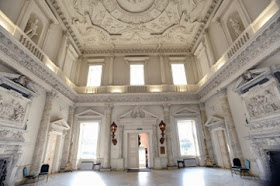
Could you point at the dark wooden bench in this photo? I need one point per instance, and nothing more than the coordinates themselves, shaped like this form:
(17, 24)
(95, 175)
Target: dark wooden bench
(182, 162)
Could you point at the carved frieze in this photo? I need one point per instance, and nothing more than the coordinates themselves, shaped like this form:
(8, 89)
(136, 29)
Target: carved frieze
(262, 102)
(13, 108)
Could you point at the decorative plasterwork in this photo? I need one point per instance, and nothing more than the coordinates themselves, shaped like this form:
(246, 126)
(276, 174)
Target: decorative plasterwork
(215, 122)
(262, 102)
(262, 45)
(89, 114)
(59, 125)
(185, 112)
(137, 98)
(8, 134)
(13, 108)
(136, 59)
(137, 115)
(109, 24)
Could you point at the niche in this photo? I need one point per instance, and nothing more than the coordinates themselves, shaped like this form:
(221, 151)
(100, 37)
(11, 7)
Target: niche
(235, 26)
(34, 28)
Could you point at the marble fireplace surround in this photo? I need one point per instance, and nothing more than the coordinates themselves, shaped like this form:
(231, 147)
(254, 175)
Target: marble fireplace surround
(14, 107)
(262, 98)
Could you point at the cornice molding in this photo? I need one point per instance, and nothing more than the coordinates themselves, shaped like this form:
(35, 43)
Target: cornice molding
(137, 99)
(262, 45)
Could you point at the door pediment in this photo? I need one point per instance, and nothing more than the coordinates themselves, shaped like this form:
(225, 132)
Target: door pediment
(138, 114)
(215, 122)
(59, 125)
(185, 112)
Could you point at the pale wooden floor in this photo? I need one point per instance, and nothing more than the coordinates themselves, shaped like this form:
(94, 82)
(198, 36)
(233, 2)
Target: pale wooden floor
(198, 176)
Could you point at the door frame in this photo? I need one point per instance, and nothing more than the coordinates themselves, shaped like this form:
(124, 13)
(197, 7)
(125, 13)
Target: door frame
(150, 146)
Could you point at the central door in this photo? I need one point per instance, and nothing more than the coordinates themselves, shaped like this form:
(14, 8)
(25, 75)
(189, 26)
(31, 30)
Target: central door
(132, 153)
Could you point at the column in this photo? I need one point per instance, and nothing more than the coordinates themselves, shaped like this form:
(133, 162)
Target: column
(207, 138)
(209, 48)
(235, 151)
(106, 166)
(68, 140)
(170, 160)
(42, 138)
(120, 141)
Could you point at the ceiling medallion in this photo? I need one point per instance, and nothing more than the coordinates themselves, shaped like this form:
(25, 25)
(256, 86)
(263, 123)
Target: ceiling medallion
(135, 11)
(135, 6)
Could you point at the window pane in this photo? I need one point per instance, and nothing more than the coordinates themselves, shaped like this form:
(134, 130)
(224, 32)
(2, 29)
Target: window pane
(179, 74)
(187, 138)
(94, 75)
(88, 142)
(136, 74)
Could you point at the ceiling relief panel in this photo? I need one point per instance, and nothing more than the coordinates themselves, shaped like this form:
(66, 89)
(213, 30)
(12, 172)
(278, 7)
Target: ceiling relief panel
(107, 24)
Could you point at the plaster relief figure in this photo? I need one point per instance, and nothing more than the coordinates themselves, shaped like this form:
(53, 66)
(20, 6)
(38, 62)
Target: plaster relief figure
(32, 31)
(236, 25)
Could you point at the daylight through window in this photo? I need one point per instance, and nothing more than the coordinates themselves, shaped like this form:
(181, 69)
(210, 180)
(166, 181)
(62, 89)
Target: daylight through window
(178, 74)
(187, 138)
(88, 140)
(137, 74)
(94, 75)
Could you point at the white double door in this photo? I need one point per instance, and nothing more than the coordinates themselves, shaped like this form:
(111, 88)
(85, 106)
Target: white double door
(132, 151)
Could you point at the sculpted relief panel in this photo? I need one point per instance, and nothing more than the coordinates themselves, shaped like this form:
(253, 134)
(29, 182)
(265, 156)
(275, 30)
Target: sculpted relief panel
(13, 108)
(112, 23)
(263, 101)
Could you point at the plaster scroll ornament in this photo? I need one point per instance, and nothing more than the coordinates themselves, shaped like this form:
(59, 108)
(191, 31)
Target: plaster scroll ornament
(32, 31)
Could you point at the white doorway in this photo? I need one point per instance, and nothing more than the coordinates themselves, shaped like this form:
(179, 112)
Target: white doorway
(138, 151)
(52, 152)
(221, 148)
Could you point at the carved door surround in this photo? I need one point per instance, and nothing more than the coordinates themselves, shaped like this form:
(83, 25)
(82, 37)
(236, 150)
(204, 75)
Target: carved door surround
(55, 144)
(220, 141)
(138, 121)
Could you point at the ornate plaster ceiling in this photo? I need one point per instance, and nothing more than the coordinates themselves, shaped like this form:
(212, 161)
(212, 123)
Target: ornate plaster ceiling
(110, 24)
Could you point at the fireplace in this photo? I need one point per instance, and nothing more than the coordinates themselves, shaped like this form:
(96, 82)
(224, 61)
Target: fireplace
(3, 171)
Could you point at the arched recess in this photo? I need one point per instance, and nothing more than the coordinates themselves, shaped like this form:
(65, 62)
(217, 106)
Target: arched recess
(86, 116)
(220, 140)
(186, 113)
(138, 121)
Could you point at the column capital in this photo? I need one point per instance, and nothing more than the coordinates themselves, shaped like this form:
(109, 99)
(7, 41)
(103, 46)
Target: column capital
(50, 96)
(202, 106)
(108, 107)
(222, 92)
(71, 109)
(166, 107)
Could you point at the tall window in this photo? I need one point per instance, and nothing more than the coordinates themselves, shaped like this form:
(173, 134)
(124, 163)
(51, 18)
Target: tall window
(88, 140)
(178, 74)
(187, 138)
(137, 74)
(94, 75)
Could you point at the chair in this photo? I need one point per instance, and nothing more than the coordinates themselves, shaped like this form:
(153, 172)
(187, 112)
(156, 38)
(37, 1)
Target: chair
(44, 171)
(245, 169)
(28, 176)
(236, 166)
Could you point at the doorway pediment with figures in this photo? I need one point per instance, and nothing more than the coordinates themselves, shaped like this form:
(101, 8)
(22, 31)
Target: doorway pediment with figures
(138, 116)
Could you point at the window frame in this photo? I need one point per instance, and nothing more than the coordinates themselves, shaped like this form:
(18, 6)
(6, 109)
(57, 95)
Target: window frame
(178, 63)
(101, 78)
(80, 138)
(144, 75)
(198, 144)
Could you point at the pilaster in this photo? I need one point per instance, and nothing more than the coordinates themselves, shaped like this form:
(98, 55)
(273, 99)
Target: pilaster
(170, 160)
(106, 166)
(230, 126)
(42, 138)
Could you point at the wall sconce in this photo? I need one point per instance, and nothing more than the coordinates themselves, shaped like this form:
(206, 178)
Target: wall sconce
(113, 130)
(162, 126)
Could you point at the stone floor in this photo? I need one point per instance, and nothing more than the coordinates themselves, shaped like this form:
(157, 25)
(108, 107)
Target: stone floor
(197, 176)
